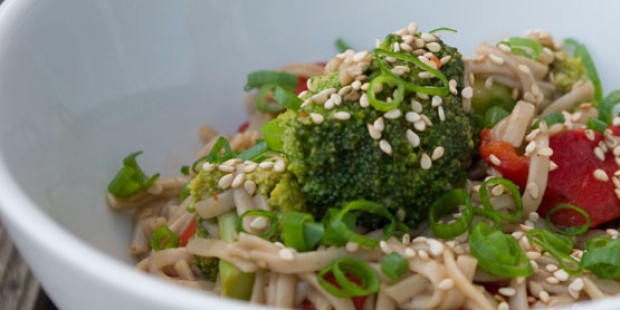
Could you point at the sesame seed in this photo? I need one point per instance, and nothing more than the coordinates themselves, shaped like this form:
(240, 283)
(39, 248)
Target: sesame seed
(533, 190)
(226, 168)
(428, 37)
(496, 59)
(279, 166)
(374, 133)
(616, 151)
(425, 162)
(435, 247)
(232, 162)
(412, 117)
(359, 56)
(533, 255)
(467, 92)
(551, 267)
(497, 190)
(412, 28)
(385, 146)
(600, 175)
(425, 75)
(612, 232)
(533, 216)
(352, 247)
(437, 153)
(552, 280)
(225, 181)
(337, 99)
(426, 120)
(208, 166)
(419, 125)
(436, 101)
(561, 275)
(494, 160)
(531, 147)
(364, 103)
(552, 165)
(329, 104)
(392, 114)
(342, 116)
(416, 106)
(384, 247)
(250, 187)
(413, 138)
(396, 47)
(379, 124)
(410, 253)
(317, 118)
(422, 96)
(302, 94)
(445, 284)
(507, 291)
(400, 70)
(345, 90)
(523, 68)
(238, 180)
(286, 255)
(250, 167)
(576, 285)
(259, 223)
(433, 47)
(488, 83)
(356, 85)
(442, 114)
(504, 48)
(444, 60)
(546, 151)
(534, 265)
(616, 121)
(266, 165)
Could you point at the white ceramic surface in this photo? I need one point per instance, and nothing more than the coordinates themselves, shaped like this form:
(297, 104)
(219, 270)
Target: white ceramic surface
(84, 83)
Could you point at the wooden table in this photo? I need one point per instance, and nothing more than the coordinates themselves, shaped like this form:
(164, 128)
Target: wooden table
(19, 290)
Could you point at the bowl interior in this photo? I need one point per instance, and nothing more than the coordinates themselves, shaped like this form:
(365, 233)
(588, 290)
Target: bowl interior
(84, 83)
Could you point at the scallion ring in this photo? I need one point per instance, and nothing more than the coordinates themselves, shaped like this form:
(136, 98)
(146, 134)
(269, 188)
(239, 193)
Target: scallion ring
(606, 107)
(261, 100)
(394, 266)
(287, 98)
(380, 104)
(344, 268)
(558, 246)
(498, 253)
(446, 204)
(581, 51)
(550, 119)
(573, 230)
(338, 226)
(163, 238)
(602, 257)
(516, 195)
(130, 179)
(261, 78)
(269, 215)
(294, 231)
(443, 29)
(596, 124)
(216, 156)
(524, 47)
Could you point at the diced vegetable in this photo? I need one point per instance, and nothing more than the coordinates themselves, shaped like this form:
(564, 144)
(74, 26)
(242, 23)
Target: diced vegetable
(163, 238)
(130, 179)
(498, 253)
(234, 282)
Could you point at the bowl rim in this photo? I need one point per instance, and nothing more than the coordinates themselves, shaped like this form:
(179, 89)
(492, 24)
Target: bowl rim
(50, 236)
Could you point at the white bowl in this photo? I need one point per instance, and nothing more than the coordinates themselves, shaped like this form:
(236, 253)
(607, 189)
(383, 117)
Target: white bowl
(84, 83)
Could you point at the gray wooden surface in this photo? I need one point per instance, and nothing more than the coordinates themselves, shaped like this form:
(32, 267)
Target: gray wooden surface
(19, 290)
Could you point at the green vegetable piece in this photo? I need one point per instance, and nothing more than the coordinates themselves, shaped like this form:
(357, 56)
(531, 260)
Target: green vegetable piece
(341, 45)
(602, 257)
(259, 79)
(272, 131)
(550, 120)
(443, 29)
(342, 268)
(496, 96)
(573, 230)
(524, 47)
(185, 192)
(498, 253)
(338, 226)
(269, 215)
(287, 99)
(582, 52)
(163, 238)
(255, 153)
(185, 170)
(295, 232)
(216, 156)
(264, 105)
(394, 266)
(516, 195)
(494, 115)
(558, 246)
(234, 282)
(380, 104)
(606, 107)
(446, 204)
(130, 179)
(596, 124)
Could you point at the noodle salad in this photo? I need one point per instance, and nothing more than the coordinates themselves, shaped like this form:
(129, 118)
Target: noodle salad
(403, 177)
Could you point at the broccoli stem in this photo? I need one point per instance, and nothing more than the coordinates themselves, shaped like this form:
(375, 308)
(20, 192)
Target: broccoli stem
(234, 282)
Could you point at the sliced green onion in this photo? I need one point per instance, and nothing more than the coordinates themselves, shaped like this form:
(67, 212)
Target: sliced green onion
(331, 236)
(582, 52)
(294, 230)
(558, 246)
(602, 257)
(596, 124)
(261, 78)
(442, 91)
(216, 156)
(272, 132)
(389, 40)
(550, 119)
(269, 215)
(338, 226)
(394, 266)
(498, 253)
(524, 47)
(493, 115)
(287, 98)
(341, 45)
(606, 107)
(573, 230)
(516, 195)
(130, 179)
(163, 238)
(446, 204)
(443, 29)
(255, 153)
(185, 192)
(313, 233)
(341, 269)
(261, 100)
(185, 170)
(380, 104)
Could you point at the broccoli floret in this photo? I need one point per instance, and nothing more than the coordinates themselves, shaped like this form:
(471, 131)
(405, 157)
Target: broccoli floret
(338, 161)
(567, 71)
(209, 266)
